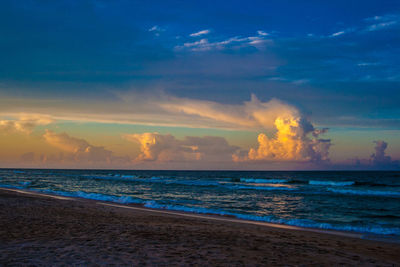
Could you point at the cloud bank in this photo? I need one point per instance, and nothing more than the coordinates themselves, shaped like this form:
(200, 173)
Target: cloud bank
(285, 134)
(379, 158)
(165, 148)
(79, 150)
(25, 124)
(296, 139)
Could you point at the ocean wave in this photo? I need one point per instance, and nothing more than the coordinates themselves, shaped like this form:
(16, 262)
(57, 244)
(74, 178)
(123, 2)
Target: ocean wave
(106, 177)
(331, 183)
(128, 176)
(26, 183)
(372, 229)
(268, 188)
(365, 192)
(261, 181)
(95, 196)
(155, 179)
(81, 194)
(12, 186)
(194, 182)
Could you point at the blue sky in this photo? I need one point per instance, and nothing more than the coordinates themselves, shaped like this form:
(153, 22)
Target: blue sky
(336, 62)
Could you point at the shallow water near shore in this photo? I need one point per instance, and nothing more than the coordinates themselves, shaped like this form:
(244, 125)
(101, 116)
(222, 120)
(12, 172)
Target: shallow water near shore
(364, 202)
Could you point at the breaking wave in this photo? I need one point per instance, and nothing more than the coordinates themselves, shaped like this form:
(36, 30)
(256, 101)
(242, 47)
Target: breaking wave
(331, 183)
(373, 229)
(365, 192)
(263, 181)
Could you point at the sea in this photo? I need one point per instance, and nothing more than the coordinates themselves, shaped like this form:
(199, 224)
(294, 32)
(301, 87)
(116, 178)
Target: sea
(355, 201)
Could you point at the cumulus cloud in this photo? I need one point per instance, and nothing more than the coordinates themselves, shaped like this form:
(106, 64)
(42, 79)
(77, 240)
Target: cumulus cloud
(165, 148)
(296, 139)
(199, 33)
(25, 124)
(377, 161)
(379, 158)
(80, 149)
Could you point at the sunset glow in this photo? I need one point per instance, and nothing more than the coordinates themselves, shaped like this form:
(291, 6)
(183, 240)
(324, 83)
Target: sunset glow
(146, 93)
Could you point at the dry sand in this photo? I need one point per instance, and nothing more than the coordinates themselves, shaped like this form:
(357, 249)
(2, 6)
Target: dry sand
(42, 230)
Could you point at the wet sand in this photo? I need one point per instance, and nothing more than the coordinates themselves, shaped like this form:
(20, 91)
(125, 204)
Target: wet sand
(42, 230)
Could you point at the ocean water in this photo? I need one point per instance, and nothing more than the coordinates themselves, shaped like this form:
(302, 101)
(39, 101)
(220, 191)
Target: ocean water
(364, 202)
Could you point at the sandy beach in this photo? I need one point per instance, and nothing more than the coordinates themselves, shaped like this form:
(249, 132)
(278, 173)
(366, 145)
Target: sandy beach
(41, 230)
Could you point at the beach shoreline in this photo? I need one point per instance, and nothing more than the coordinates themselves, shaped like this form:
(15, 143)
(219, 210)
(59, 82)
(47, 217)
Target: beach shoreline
(45, 229)
(223, 218)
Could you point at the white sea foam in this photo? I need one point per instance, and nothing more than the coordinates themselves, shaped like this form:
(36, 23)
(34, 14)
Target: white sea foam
(331, 183)
(128, 176)
(374, 229)
(95, 196)
(260, 181)
(268, 188)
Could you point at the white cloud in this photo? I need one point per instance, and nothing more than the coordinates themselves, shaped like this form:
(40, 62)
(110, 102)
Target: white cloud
(79, 149)
(342, 32)
(203, 43)
(296, 139)
(258, 41)
(199, 33)
(262, 33)
(367, 64)
(252, 114)
(25, 124)
(337, 33)
(166, 148)
(156, 30)
(380, 26)
(382, 22)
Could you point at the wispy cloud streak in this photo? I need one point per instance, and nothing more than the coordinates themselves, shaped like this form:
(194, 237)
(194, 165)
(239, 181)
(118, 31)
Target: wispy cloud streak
(199, 33)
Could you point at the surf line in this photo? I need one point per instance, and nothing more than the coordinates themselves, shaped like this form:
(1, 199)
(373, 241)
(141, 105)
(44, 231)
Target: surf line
(196, 216)
(37, 194)
(216, 218)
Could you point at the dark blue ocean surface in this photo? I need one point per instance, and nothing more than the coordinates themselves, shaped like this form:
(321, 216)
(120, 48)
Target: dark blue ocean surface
(366, 202)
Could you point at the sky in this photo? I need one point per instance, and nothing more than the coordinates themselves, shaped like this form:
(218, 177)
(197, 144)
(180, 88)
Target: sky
(244, 85)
